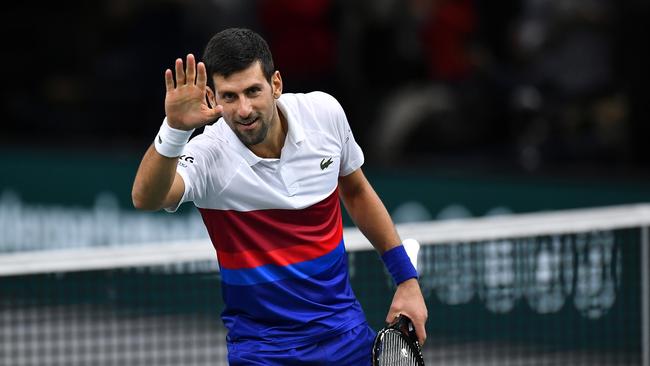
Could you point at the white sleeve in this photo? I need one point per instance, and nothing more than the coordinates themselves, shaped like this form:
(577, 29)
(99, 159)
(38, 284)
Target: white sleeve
(351, 154)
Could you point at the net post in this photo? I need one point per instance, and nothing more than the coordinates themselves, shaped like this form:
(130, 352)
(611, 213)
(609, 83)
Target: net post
(645, 296)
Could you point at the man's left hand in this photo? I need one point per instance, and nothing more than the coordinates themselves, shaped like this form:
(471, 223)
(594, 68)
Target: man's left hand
(408, 300)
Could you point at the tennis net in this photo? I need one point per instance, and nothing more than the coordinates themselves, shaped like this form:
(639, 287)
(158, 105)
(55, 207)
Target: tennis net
(565, 287)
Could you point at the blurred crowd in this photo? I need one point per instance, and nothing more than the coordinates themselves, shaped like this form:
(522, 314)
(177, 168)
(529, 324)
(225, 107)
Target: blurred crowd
(535, 83)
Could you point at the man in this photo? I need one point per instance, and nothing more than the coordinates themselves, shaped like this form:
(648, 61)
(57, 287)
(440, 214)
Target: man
(267, 177)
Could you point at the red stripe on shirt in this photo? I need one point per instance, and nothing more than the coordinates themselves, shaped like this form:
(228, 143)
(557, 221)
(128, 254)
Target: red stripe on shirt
(246, 239)
(282, 256)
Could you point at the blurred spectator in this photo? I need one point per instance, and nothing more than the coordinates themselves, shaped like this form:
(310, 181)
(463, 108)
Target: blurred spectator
(302, 38)
(446, 33)
(442, 110)
(379, 53)
(565, 51)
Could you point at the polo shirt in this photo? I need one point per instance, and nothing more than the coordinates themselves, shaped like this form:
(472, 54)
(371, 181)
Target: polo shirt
(276, 225)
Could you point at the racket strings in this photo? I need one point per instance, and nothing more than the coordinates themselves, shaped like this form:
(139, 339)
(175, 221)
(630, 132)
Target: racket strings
(396, 351)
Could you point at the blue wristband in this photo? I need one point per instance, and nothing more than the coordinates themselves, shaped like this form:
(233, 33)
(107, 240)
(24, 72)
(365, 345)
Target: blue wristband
(399, 264)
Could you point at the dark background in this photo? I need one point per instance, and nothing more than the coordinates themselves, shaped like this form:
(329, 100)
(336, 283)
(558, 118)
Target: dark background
(530, 87)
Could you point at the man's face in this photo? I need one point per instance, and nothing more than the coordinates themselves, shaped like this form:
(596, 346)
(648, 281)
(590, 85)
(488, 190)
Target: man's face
(248, 102)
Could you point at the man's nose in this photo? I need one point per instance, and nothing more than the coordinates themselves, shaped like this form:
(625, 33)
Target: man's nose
(245, 108)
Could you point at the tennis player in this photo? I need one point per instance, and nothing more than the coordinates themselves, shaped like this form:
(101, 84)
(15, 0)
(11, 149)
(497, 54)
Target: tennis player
(267, 177)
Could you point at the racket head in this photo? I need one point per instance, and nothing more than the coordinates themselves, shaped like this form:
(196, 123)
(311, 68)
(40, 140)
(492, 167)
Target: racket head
(397, 345)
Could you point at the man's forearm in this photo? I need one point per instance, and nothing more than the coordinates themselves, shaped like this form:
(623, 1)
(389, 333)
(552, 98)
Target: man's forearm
(153, 180)
(370, 216)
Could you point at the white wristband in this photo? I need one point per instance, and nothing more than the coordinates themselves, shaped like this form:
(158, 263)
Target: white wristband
(170, 141)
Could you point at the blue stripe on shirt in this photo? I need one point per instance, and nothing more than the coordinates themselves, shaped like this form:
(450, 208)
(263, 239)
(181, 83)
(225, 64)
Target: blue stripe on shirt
(271, 272)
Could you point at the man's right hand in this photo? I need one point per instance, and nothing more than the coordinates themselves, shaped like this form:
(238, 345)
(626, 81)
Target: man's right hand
(190, 103)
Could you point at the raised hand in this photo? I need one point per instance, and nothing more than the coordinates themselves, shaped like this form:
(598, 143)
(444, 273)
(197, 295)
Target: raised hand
(189, 103)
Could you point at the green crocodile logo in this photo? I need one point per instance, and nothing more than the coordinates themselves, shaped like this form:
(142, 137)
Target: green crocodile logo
(325, 163)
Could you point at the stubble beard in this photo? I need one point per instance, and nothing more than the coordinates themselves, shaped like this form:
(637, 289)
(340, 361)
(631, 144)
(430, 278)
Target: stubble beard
(256, 136)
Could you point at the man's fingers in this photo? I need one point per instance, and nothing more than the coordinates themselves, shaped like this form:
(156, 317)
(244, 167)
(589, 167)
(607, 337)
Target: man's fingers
(180, 73)
(216, 111)
(201, 78)
(391, 317)
(169, 80)
(421, 332)
(191, 69)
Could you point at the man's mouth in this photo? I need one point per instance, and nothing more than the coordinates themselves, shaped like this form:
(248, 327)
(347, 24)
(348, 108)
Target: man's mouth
(248, 124)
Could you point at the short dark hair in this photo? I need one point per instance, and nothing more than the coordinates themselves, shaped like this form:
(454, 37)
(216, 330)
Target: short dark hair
(235, 49)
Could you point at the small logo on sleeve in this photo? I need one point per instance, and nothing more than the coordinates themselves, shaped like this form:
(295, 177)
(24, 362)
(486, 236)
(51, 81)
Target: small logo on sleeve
(183, 159)
(325, 163)
(189, 159)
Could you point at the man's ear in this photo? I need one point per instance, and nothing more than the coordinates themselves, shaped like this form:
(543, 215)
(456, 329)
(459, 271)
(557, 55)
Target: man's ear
(212, 100)
(276, 84)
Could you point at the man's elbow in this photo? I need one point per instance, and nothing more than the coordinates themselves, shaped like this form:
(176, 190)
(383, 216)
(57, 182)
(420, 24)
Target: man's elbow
(140, 202)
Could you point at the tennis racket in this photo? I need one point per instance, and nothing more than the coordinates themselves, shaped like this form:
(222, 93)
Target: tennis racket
(397, 345)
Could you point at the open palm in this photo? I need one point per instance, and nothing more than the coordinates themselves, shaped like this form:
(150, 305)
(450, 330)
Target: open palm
(189, 103)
